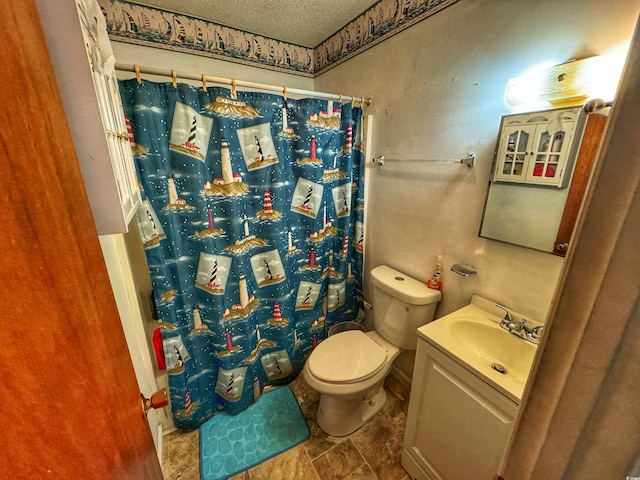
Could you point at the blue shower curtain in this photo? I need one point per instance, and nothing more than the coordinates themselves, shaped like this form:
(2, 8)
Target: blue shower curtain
(252, 224)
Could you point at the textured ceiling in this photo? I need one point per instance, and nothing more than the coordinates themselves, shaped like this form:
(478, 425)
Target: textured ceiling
(303, 22)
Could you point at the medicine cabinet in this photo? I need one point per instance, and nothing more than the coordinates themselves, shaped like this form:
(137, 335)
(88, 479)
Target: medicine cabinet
(542, 164)
(539, 148)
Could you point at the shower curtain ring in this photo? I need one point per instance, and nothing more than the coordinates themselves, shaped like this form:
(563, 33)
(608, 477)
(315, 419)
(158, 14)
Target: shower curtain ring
(204, 82)
(173, 79)
(136, 68)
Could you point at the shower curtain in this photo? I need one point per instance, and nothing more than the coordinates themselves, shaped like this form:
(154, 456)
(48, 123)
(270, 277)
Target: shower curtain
(252, 224)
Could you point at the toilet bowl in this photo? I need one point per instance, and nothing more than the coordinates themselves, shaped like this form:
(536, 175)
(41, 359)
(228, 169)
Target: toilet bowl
(348, 369)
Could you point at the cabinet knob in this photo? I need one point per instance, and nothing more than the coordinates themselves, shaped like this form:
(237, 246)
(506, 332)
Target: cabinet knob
(563, 246)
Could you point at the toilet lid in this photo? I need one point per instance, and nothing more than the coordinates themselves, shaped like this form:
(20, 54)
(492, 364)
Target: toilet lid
(346, 357)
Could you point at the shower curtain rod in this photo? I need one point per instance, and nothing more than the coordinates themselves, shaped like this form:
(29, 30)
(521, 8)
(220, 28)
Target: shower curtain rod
(137, 69)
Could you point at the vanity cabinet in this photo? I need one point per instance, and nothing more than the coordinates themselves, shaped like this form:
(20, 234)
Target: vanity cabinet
(75, 32)
(539, 148)
(458, 426)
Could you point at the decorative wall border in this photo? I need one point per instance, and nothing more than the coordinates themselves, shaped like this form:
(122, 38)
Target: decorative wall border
(152, 27)
(378, 23)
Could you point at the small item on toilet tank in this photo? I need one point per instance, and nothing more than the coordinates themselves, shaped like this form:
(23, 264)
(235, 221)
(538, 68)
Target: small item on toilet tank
(435, 282)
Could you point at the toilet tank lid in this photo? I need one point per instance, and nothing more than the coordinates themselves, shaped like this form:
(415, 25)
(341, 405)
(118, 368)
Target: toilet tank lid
(403, 287)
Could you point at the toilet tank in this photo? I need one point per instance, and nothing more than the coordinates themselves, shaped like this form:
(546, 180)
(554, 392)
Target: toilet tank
(401, 304)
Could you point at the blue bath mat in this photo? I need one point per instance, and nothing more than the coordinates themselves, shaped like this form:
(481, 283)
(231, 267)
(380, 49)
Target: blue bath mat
(230, 444)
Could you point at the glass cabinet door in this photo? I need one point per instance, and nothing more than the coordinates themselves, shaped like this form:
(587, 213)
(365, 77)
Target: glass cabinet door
(548, 157)
(536, 147)
(512, 160)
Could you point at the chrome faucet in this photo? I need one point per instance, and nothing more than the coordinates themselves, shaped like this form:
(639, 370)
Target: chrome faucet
(507, 313)
(520, 328)
(536, 334)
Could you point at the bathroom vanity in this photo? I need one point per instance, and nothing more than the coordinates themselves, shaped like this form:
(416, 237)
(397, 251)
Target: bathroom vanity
(467, 386)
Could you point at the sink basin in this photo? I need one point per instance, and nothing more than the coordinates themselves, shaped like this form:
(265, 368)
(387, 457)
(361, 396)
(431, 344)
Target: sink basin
(474, 338)
(493, 345)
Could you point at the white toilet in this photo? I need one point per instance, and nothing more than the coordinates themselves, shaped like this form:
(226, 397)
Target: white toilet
(348, 369)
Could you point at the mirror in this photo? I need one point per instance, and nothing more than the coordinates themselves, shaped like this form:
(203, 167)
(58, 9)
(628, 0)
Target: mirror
(542, 164)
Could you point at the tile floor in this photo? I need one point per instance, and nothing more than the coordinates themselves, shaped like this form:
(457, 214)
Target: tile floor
(372, 452)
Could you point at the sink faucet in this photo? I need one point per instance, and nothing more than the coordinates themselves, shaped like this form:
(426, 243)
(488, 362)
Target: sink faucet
(520, 328)
(536, 333)
(507, 313)
(508, 322)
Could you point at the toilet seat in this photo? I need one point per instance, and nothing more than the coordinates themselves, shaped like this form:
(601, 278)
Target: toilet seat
(347, 357)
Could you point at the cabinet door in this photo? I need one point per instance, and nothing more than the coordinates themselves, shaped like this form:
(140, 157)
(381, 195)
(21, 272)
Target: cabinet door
(549, 152)
(513, 153)
(112, 115)
(120, 149)
(458, 426)
(538, 148)
(93, 108)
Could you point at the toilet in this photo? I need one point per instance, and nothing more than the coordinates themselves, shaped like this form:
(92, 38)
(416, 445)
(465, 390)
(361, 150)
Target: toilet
(348, 369)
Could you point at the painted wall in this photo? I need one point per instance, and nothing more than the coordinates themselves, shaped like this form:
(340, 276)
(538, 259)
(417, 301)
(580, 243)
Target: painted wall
(125, 290)
(438, 91)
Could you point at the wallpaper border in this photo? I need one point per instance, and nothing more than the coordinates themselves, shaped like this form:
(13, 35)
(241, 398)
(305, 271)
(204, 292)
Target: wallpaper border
(129, 22)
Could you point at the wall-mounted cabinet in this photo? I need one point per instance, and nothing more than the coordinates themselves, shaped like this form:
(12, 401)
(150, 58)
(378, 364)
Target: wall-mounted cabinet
(527, 206)
(538, 148)
(80, 52)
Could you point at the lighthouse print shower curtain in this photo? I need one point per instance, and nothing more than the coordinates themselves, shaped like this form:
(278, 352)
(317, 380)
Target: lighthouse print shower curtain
(251, 221)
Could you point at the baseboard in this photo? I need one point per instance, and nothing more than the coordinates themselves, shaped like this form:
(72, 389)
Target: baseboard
(400, 387)
(401, 377)
(169, 430)
(160, 443)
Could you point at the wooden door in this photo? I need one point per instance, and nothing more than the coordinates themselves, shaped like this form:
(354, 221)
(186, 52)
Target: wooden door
(68, 393)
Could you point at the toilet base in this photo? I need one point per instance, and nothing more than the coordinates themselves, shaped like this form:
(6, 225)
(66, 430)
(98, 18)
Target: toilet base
(339, 417)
